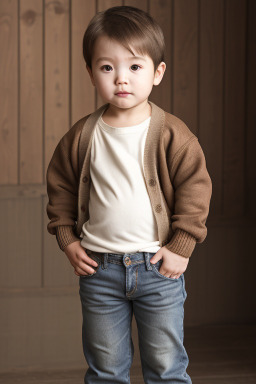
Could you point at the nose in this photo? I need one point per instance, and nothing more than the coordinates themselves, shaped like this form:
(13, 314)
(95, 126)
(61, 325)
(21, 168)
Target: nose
(121, 78)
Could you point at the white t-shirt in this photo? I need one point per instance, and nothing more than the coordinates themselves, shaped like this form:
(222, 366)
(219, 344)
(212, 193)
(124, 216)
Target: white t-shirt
(121, 216)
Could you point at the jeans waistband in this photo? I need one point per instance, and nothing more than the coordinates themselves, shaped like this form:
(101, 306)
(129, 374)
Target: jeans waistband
(125, 259)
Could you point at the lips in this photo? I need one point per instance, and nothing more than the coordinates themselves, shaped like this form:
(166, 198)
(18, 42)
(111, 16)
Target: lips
(122, 93)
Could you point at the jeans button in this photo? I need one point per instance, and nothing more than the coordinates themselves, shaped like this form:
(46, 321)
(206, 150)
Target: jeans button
(127, 260)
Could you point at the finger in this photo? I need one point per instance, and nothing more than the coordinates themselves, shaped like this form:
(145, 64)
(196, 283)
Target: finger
(88, 260)
(82, 274)
(164, 272)
(168, 274)
(174, 276)
(156, 258)
(85, 269)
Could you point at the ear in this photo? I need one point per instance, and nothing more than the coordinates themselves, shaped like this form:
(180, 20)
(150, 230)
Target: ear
(159, 73)
(90, 73)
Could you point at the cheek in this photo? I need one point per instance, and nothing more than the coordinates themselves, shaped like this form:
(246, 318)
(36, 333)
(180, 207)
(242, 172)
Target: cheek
(144, 85)
(102, 83)
(146, 80)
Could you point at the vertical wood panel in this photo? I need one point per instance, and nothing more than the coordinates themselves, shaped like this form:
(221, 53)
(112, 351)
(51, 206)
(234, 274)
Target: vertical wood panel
(31, 114)
(234, 104)
(211, 92)
(250, 166)
(20, 228)
(185, 76)
(9, 92)
(82, 90)
(161, 11)
(142, 4)
(57, 89)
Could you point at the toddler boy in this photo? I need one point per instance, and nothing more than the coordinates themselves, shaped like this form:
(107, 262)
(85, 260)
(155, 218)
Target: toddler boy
(129, 196)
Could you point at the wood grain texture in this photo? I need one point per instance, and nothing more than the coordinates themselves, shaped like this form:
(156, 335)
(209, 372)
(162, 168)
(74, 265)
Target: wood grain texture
(142, 4)
(250, 131)
(9, 88)
(234, 109)
(57, 83)
(185, 62)
(161, 11)
(211, 87)
(31, 95)
(82, 90)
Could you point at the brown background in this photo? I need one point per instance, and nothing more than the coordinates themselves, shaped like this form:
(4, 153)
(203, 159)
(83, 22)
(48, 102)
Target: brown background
(209, 83)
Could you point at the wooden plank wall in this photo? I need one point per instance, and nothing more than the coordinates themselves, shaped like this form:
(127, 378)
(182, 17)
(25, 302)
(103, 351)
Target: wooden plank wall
(210, 84)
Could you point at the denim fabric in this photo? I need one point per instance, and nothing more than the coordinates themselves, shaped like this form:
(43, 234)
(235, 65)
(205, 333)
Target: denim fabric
(124, 285)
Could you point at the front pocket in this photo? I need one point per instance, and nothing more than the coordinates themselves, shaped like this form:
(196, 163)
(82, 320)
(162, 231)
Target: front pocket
(95, 258)
(156, 268)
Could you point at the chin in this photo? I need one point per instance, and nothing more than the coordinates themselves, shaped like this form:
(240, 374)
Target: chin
(122, 104)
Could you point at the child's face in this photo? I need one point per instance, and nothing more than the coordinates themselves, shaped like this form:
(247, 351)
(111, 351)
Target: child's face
(115, 70)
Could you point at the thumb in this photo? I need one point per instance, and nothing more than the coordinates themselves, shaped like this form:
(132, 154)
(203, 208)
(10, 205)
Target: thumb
(156, 257)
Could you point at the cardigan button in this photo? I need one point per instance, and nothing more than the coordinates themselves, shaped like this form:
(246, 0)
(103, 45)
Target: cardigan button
(83, 208)
(85, 179)
(152, 182)
(158, 208)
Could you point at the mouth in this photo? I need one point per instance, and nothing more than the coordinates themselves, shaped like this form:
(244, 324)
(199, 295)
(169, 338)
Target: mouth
(122, 93)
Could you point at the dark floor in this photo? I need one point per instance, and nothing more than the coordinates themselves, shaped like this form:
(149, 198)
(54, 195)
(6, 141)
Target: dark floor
(223, 354)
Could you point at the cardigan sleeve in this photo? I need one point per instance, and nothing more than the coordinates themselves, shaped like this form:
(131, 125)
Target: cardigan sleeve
(62, 188)
(193, 190)
(65, 236)
(62, 177)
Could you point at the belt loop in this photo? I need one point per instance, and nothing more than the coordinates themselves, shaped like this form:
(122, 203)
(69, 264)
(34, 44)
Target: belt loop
(149, 267)
(105, 261)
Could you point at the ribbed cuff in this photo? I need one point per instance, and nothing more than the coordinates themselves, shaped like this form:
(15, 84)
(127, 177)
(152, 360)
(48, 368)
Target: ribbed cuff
(182, 243)
(65, 236)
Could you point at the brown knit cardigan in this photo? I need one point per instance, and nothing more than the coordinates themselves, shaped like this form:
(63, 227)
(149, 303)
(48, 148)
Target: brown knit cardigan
(176, 178)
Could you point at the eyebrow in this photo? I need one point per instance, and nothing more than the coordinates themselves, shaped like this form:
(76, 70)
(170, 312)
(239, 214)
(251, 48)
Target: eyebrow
(130, 58)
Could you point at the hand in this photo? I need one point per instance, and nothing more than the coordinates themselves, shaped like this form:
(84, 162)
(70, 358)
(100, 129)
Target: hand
(173, 264)
(79, 259)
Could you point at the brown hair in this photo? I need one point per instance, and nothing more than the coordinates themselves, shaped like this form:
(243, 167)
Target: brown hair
(131, 27)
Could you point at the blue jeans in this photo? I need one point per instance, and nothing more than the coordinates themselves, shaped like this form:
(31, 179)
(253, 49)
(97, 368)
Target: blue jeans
(122, 285)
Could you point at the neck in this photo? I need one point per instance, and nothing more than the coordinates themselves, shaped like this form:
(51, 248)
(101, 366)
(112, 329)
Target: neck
(124, 117)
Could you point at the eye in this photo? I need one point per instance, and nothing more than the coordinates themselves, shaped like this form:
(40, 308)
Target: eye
(135, 67)
(107, 67)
